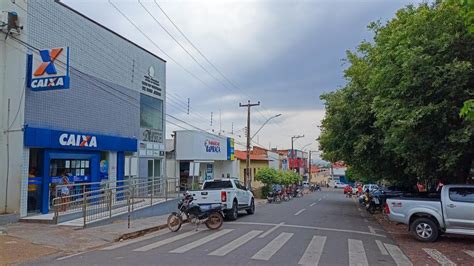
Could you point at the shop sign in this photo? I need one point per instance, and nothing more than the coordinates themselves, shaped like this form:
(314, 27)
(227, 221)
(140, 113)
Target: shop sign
(48, 70)
(212, 146)
(56, 139)
(150, 135)
(77, 140)
(230, 149)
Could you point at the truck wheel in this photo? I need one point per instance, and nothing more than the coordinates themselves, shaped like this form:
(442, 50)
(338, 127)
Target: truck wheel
(425, 230)
(232, 213)
(251, 210)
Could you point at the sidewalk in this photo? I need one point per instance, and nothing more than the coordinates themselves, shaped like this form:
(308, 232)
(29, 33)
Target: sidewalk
(44, 239)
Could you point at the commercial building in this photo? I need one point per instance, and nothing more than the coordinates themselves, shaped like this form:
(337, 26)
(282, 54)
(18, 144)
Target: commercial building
(76, 100)
(298, 161)
(196, 156)
(258, 161)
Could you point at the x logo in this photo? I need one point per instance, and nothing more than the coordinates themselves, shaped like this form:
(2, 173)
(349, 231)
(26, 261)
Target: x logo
(48, 61)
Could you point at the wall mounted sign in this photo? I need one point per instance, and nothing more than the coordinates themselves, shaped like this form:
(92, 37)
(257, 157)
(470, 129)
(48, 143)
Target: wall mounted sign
(48, 69)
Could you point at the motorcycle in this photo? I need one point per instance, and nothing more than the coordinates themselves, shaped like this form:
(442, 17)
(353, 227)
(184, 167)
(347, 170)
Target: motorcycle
(211, 215)
(298, 192)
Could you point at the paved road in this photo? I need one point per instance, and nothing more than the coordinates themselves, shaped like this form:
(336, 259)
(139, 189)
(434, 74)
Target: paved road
(321, 228)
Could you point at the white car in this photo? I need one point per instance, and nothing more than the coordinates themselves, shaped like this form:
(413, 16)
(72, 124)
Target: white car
(370, 187)
(339, 184)
(230, 193)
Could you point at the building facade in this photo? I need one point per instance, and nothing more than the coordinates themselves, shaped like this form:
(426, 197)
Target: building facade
(196, 156)
(101, 119)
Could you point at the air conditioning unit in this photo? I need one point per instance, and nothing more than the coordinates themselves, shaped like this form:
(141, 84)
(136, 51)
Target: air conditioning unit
(9, 22)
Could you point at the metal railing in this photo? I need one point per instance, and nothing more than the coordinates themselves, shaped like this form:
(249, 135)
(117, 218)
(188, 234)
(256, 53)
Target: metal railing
(95, 201)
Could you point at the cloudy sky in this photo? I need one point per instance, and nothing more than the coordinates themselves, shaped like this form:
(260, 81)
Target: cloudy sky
(283, 53)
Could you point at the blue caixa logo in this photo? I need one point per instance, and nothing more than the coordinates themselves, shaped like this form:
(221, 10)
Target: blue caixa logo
(49, 70)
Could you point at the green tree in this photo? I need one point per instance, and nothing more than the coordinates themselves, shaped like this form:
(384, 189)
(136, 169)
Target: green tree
(397, 118)
(267, 176)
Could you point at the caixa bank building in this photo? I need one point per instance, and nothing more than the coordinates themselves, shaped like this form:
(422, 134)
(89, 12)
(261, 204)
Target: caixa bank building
(80, 104)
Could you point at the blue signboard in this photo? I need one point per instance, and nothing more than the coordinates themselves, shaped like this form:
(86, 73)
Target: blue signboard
(56, 139)
(48, 70)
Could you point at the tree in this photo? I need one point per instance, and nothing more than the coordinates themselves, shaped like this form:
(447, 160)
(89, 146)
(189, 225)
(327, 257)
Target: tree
(267, 176)
(397, 118)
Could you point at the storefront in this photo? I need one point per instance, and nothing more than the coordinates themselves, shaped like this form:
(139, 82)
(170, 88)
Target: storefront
(79, 157)
(203, 156)
(93, 103)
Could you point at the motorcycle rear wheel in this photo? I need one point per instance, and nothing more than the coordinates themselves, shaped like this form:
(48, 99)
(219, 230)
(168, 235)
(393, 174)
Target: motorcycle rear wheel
(174, 222)
(214, 221)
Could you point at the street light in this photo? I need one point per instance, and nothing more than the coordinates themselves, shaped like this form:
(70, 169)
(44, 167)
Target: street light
(255, 134)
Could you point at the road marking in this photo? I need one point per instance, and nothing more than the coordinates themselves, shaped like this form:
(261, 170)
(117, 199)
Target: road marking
(299, 212)
(201, 241)
(166, 241)
(226, 249)
(131, 241)
(271, 230)
(312, 204)
(438, 256)
(381, 247)
(398, 256)
(365, 220)
(70, 256)
(271, 248)
(357, 255)
(314, 251)
(319, 199)
(469, 252)
(371, 229)
(359, 209)
(312, 228)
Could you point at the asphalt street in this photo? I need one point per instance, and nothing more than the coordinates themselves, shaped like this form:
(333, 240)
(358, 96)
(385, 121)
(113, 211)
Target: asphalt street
(321, 228)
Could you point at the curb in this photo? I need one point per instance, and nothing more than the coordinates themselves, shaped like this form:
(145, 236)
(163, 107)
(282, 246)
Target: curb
(142, 232)
(145, 231)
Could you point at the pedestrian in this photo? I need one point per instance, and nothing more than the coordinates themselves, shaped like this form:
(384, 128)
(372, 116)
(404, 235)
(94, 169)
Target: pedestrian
(439, 186)
(64, 192)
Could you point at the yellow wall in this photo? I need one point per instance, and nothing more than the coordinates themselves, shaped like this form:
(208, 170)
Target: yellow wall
(254, 167)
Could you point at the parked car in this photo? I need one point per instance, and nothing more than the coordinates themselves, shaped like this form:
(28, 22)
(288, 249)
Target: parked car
(370, 187)
(339, 184)
(230, 193)
(427, 217)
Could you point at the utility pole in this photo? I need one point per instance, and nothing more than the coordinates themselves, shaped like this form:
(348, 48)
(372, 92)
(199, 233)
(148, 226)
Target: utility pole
(310, 174)
(247, 179)
(292, 149)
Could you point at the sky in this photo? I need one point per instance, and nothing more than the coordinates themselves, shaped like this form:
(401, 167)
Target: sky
(283, 53)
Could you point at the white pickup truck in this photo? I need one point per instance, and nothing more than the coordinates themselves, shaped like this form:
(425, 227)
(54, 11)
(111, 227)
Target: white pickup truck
(427, 217)
(229, 192)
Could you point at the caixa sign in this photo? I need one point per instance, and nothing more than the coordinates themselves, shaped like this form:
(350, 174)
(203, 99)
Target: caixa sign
(75, 140)
(48, 69)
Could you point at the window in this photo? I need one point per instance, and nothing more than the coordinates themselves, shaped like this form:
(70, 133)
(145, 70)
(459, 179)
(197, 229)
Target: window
(217, 185)
(462, 194)
(151, 112)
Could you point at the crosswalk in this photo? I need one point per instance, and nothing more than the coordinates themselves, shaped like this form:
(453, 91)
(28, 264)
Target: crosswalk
(315, 246)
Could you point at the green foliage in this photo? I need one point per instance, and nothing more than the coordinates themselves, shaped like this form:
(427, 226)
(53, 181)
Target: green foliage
(397, 118)
(467, 110)
(270, 176)
(265, 190)
(266, 175)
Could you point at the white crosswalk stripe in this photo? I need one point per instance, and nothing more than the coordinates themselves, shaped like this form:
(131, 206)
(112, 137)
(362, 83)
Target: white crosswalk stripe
(397, 255)
(229, 247)
(314, 251)
(382, 249)
(439, 257)
(469, 252)
(357, 255)
(166, 241)
(201, 241)
(271, 248)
